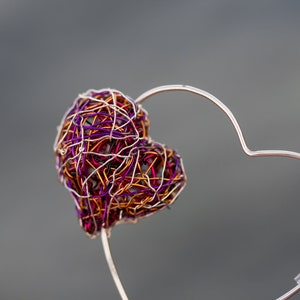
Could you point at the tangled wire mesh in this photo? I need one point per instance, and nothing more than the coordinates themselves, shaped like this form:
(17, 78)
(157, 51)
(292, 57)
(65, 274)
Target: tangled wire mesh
(110, 165)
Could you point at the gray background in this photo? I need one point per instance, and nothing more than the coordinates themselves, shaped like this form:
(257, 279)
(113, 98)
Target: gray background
(234, 231)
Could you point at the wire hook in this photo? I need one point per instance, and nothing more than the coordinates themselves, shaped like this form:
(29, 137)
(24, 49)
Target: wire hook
(227, 111)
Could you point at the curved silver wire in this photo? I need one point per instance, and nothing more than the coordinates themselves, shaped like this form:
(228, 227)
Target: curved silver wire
(293, 291)
(111, 265)
(227, 111)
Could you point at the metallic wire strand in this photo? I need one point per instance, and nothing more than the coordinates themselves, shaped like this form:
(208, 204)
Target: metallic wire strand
(236, 125)
(290, 293)
(111, 265)
(249, 152)
(293, 291)
(225, 109)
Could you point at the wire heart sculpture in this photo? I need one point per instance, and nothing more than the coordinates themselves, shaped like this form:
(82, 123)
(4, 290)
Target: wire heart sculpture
(108, 162)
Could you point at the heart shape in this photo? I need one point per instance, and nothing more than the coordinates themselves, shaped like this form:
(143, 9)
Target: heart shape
(106, 159)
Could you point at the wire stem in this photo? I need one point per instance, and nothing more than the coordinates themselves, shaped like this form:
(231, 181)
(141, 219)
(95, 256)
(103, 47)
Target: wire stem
(111, 265)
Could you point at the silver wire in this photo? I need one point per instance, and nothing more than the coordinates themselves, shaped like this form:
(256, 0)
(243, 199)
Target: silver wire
(290, 293)
(293, 291)
(111, 265)
(225, 109)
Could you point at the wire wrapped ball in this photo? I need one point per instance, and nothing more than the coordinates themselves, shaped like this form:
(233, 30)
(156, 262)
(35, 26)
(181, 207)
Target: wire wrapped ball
(106, 159)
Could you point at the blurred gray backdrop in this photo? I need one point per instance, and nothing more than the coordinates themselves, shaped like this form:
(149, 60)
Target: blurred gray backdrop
(234, 231)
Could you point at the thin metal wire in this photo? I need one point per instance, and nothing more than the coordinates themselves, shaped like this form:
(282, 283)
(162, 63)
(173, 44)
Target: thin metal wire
(293, 291)
(249, 152)
(225, 109)
(112, 267)
(290, 293)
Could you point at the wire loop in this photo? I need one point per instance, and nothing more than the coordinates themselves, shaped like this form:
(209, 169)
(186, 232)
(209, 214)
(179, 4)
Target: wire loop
(225, 109)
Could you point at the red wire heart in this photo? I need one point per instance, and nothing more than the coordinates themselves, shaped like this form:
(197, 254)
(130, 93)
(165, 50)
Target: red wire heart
(108, 162)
